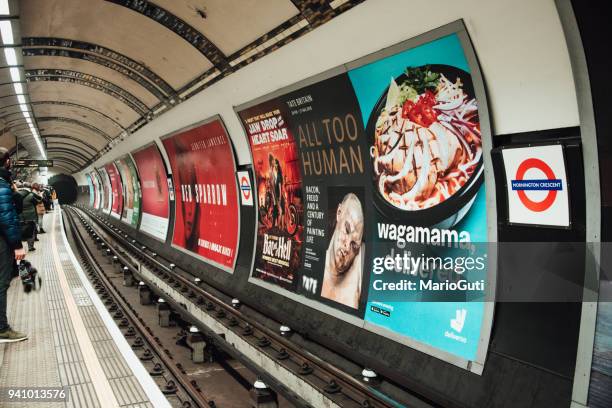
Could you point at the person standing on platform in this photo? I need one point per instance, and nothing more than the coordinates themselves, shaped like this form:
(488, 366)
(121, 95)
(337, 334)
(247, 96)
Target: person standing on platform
(29, 216)
(53, 198)
(47, 198)
(10, 246)
(40, 207)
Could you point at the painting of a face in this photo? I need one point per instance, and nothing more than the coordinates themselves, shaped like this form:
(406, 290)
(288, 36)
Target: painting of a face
(348, 236)
(188, 181)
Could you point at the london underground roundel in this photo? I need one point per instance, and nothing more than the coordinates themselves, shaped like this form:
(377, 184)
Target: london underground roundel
(537, 185)
(246, 192)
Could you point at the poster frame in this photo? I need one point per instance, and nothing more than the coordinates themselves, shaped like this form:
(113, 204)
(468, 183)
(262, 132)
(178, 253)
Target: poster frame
(104, 177)
(148, 234)
(96, 175)
(234, 161)
(125, 221)
(458, 28)
(122, 203)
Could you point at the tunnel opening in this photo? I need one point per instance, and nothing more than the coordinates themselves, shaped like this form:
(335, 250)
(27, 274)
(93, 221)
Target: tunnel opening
(66, 188)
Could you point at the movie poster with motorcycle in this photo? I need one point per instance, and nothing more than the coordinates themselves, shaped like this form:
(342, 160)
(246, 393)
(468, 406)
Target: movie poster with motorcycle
(154, 187)
(131, 190)
(206, 217)
(429, 261)
(116, 190)
(279, 194)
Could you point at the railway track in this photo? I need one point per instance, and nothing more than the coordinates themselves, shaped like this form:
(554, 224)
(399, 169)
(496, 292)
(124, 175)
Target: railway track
(174, 383)
(194, 303)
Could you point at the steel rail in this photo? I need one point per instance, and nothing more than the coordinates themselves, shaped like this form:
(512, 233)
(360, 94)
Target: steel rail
(183, 381)
(335, 380)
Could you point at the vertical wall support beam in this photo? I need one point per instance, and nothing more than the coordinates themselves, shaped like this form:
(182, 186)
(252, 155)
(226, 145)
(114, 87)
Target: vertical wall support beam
(588, 320)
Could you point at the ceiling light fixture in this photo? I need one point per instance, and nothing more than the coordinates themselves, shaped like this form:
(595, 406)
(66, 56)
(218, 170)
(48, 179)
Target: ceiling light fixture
(11, 56)
(26, 115)
(18, 87)
(21, 99)
(23, 107)
(4, 8)
(15, 74)
(6, 31)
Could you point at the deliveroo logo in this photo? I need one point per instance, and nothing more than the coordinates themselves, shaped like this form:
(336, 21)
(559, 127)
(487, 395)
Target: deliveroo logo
(457, 324)
(459, 321)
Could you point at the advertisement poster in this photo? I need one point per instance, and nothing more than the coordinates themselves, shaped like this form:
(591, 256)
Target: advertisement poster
(107, 196)
(95, 178)
(155, 206)
(206, 219)
(279, 194)
(427, 159)
(131, 190)
(116, 190)
(91, 190)
(383, 165)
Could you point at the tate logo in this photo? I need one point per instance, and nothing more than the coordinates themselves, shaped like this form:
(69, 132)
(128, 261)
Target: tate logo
(459, 321)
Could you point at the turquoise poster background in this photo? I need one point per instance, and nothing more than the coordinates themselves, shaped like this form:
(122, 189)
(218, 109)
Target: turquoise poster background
(427, 322)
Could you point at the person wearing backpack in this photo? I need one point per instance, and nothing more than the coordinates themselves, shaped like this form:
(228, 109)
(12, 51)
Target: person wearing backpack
(11, 249)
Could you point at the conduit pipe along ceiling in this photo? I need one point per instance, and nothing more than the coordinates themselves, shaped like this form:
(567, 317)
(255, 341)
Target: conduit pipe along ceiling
(15, 108)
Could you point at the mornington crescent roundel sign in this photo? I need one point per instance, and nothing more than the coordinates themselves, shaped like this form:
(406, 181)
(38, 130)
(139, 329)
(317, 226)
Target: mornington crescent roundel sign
(550, 184)
(537, 185)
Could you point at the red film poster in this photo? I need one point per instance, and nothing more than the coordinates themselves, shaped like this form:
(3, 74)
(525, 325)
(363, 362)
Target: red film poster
(279, 195)
(99, 192)
(96, 189)
(154, 187)
(206, 212)
(116, 190)
(106, 191)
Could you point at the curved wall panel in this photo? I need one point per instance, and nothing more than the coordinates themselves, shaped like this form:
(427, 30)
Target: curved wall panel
(154, 187)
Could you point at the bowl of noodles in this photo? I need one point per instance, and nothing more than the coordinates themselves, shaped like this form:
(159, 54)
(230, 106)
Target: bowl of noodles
(426, 146)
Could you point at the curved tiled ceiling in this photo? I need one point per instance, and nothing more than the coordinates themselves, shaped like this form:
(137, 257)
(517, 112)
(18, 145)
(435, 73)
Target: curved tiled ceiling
(98, 70)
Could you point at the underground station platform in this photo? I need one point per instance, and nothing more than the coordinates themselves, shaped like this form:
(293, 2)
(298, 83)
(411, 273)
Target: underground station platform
(305, 203)
(89, 344)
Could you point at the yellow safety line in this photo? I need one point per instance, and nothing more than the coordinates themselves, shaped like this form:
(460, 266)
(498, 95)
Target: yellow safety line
(105, 394)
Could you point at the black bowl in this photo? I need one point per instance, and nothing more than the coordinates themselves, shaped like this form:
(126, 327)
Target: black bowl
(450, 211)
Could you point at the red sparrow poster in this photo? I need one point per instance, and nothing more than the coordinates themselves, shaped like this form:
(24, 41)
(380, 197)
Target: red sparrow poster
(116, 190)
(206, 211)
(154, 187)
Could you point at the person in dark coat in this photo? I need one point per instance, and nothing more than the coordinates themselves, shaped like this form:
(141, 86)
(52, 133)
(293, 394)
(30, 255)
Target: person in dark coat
(29, 215)
(10, 245)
